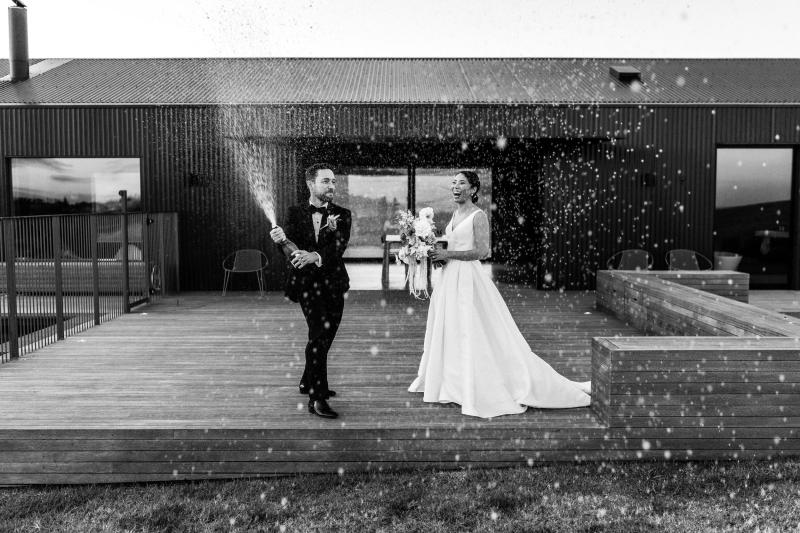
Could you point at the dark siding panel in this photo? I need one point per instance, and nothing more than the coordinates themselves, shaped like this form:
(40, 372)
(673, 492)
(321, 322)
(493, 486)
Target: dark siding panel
(787, 124)
(744, 125)
(187, 166)
(432, 122)
(590, 197)
(652, 190)
(208, 171)
(684, 184)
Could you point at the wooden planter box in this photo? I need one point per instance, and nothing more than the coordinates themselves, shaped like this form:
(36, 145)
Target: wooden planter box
(724, 363)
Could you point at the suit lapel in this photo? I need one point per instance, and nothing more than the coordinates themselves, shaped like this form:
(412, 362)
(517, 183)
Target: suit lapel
(308, 227)
(324, 234)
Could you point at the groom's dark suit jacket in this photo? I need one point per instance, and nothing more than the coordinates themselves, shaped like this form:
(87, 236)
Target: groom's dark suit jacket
(331, 245)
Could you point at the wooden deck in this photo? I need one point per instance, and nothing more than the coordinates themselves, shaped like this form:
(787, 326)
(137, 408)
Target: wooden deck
(205, 386)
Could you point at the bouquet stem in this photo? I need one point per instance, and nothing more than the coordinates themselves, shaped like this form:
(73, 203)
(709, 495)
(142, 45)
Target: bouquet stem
(417, 279)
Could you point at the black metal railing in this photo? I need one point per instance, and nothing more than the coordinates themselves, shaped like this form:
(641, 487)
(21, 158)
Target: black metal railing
(62, 274)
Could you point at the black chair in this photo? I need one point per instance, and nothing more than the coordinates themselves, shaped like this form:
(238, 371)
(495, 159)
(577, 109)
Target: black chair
(245, 260)
(631, 259)
(683, 259)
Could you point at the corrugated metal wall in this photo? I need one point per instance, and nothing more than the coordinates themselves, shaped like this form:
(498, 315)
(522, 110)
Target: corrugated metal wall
(654, 189)
(187, 165)
(744, 125)
(594, 194)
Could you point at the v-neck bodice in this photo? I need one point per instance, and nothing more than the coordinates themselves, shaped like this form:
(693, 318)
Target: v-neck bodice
(461, 237)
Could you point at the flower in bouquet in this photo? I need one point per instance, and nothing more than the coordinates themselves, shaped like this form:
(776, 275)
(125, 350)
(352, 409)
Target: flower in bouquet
(417, 238)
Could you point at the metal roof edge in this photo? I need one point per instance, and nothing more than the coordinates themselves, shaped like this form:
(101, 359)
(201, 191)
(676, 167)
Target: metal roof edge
(431, 58)
(401, 104)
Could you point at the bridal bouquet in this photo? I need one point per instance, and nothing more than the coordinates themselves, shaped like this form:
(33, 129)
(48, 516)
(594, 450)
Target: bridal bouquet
(417, 239)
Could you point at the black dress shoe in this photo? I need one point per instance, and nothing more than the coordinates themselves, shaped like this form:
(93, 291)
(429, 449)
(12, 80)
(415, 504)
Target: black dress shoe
(321, 408)
(304, 392)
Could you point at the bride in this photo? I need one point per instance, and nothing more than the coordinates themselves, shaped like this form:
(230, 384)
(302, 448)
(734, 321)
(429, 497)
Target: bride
(474, 354)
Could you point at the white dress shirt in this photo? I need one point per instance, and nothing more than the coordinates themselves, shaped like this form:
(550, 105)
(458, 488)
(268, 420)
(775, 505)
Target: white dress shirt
(316, 218)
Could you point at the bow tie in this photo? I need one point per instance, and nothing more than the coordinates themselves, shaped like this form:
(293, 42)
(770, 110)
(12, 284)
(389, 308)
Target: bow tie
(314, 209)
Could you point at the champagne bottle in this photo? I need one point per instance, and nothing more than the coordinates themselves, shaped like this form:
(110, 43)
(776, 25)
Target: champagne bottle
(288, 247)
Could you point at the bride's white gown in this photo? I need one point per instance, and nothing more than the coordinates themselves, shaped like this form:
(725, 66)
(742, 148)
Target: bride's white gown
(474, 354)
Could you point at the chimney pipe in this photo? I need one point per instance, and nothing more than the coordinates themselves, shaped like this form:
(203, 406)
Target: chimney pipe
(18, 43)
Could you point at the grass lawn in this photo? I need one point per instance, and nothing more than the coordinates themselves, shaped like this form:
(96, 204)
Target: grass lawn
(729, 496)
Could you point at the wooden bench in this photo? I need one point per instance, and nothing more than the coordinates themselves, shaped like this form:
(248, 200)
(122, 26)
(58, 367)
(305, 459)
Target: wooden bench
(724, 363)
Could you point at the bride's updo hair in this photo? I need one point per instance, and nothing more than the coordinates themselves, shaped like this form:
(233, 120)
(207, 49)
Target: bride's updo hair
(474, 181)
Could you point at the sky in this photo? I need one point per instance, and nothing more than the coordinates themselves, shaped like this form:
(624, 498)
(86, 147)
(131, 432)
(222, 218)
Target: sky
(753, 176)
(77, 179)
(411, 28)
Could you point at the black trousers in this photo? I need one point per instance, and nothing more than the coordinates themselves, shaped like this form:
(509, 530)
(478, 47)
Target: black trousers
(323, 312)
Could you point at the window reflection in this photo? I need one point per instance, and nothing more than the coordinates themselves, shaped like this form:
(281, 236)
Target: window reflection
(51, 186)
(753, 212)
(374, 195)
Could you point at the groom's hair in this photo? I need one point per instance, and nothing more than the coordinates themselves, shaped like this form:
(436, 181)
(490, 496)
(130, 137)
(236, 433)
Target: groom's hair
(311, 172)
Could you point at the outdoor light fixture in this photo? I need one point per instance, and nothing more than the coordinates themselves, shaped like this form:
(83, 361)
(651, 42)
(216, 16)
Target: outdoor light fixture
(648, 179)
(195, 179)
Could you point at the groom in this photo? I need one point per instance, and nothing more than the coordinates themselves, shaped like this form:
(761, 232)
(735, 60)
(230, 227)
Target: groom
(318, 279)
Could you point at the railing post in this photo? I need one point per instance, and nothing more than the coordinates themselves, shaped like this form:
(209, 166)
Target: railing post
(11, 281)
(59, 277)
(126, 289)
(95, 270)
(176, 252)
(162, 252)
(147, 280)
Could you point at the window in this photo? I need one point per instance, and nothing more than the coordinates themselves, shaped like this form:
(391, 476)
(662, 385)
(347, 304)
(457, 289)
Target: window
(52, 186)
(374, 195)
(753, 212)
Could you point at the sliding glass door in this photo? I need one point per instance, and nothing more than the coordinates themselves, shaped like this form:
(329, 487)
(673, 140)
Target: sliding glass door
(376, 194)
(752, 223)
